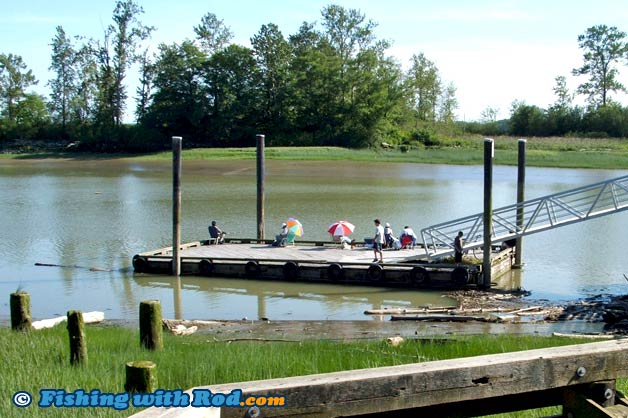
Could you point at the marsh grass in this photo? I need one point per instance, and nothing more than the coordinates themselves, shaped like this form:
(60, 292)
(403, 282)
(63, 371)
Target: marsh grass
(541, 152)
(463, 150)
(38, 360)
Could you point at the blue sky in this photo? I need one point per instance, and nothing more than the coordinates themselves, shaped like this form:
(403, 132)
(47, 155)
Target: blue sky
(493, 51)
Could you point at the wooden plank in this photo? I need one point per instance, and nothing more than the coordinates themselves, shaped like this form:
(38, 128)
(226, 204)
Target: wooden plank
(432, 384)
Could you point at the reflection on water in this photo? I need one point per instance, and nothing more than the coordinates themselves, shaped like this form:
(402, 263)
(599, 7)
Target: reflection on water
(84, 214)
(281, 300)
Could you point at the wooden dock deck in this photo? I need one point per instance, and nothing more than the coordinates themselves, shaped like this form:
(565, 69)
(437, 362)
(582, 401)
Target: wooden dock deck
(317, 262)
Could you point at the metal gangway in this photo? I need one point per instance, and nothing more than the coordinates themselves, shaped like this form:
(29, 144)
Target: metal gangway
(530, 216)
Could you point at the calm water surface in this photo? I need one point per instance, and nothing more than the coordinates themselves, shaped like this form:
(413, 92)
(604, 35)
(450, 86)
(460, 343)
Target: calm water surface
(98, 214)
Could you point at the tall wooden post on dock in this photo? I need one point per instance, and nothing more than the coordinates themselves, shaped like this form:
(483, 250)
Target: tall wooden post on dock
(261, 173)
(521, 181)
(20, 311)
(489, 153)
(176, 204)
(78, 344)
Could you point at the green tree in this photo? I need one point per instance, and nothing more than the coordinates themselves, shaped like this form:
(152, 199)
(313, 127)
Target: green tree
(563, 95)
(213, 34)
(310, 93)
(180, 100)
(448, 103)
(63, 87)
(15, 78)
(527, 120)
(144, 90)
(273, 55)
(233, 80)
(561, 117)
(114, 56)
(344, 86)
(423, 88)
(83, 105)
(489, 114)
(31, 114)
(603, 47)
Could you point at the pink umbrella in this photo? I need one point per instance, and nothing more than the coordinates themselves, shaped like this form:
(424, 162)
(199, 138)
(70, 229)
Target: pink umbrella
(341, 228)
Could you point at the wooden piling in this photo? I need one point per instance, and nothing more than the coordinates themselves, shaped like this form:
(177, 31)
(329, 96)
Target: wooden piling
(151, 333)
(261, 173)
(21, 319)
(521, 180)
(141, 377)
(489, 153)
(78, 342)
(176, 204)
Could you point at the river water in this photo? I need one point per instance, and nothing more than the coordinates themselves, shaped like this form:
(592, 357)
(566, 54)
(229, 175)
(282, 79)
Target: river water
(91, 217)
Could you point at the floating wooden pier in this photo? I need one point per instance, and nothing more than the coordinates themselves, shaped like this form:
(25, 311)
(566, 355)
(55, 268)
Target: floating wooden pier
(317, 261)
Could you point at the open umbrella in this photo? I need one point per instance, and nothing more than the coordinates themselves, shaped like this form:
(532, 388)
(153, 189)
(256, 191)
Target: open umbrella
(294, 227)
(341, 228)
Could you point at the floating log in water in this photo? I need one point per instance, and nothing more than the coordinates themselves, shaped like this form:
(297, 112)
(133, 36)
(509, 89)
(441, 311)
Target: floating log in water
(72, 267)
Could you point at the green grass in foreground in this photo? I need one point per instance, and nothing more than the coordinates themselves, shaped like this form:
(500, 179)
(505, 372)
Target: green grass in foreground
(37, 360)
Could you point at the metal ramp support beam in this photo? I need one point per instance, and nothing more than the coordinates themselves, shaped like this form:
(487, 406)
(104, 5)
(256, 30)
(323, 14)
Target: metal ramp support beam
(540, 214)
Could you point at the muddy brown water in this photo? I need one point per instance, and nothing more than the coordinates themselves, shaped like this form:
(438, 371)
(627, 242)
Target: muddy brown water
(91, 217)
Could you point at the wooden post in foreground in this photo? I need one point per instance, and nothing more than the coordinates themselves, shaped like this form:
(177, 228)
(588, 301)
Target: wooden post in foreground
(151, 332)
(78, 343)
(176, 204)
(141, 377)
(21, 311)
(521, 182)
(261, 173)
(489, 153)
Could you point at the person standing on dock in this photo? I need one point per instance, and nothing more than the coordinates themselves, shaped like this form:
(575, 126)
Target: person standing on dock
(458, 243)
(378, 241)
(216, 234)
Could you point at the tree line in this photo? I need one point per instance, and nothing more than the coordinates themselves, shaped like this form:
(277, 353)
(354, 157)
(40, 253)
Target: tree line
(330, 83)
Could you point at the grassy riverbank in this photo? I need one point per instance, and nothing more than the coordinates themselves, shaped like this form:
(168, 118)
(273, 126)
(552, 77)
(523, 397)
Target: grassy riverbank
(37, 360)
(541, 152)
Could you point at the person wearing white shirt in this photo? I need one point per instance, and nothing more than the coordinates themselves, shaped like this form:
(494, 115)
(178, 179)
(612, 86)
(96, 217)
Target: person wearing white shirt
(378, 241)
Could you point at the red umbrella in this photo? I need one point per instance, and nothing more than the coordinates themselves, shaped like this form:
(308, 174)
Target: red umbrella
(341, 228)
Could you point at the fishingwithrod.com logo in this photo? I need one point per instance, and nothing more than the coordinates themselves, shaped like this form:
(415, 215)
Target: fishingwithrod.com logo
(199, 398)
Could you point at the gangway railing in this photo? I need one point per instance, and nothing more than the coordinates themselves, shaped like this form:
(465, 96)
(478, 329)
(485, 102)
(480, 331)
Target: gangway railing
(530, 216)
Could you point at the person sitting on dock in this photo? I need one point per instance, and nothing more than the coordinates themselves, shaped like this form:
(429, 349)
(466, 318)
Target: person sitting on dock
(408, 237)
(389, 237)
(281, 239)
(216, 234)
(344, 241)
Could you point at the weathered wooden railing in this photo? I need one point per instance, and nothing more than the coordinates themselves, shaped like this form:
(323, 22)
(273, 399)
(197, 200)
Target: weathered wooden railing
(580, 378)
